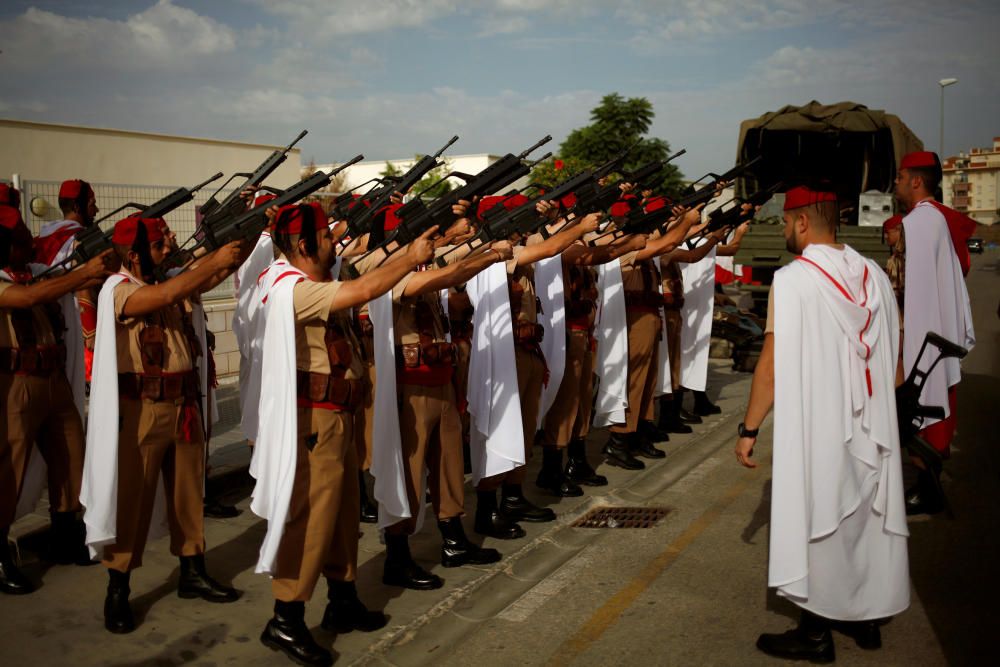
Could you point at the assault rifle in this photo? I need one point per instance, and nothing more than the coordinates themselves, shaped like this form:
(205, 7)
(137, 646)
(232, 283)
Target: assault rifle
(249, 224)
(92, 241)
(416, 217)
(499, 223)
(359, 219)
(733, 216)
(213, 211)
(707, 193)
(594, 197)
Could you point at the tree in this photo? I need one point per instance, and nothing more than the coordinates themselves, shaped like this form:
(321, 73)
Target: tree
(616, 124)
(429, 182)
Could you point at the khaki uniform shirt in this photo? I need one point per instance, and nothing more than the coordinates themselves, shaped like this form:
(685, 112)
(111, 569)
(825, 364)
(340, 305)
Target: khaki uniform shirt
(312, 317)
(42, 324)
(176, 345)
(524, 277)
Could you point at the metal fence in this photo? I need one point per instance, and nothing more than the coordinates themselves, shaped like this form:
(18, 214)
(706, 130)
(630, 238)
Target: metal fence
(43, 197)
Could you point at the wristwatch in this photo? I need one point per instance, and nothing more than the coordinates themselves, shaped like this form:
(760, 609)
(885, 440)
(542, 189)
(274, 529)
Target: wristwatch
(745, 432)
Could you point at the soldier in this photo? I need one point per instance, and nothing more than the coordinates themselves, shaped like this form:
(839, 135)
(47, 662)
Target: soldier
(640, 280)
(38, 407)
(312, 381)
(430, 426)
(145, 421)
(568, 421)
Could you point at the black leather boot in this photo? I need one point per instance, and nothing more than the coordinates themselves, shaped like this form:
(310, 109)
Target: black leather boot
(12, 582)
(866, 634)
(617, 452)
(811, 640)
(652, 432)
(642, 441)
(924, 497)
(489, 520)
(552, 477)
(287, 632)
(67, 540)
(369, 510)
(516, 507)
(195, 582)
(401, 570)
(345, 612)
(456, 548)
(118, 616)
(577, 467)
(670, 418)
(704, 407)
(685, 416)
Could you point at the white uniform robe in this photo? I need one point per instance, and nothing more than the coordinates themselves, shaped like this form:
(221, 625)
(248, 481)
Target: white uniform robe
(696, 321)
(935, 299)
(248, 330)
(838, 522)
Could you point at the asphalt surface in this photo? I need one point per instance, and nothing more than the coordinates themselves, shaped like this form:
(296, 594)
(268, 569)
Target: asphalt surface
(689, 590)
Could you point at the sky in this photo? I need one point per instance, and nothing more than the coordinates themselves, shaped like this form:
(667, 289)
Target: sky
(394, 78)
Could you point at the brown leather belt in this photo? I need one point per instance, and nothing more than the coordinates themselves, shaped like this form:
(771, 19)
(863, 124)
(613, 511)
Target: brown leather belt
(528, 333)
(324, 388)
(166, 387)
(413, 355)
(33, 360)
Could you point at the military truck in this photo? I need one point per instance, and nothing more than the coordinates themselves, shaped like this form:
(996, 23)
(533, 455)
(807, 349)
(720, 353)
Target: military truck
(854, 148)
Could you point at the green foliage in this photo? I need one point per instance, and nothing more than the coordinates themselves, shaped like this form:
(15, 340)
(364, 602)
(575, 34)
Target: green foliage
(430, 180)
(616, 124)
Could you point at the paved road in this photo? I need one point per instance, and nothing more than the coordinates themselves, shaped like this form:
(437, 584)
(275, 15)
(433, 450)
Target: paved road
(690, 590)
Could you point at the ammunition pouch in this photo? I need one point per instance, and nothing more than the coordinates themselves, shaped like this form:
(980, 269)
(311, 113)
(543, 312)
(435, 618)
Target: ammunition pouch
(414, 355)
(528, 333)
(579, 309)
(166, 387)
(643, 300)
(323, 388)
(39, 361)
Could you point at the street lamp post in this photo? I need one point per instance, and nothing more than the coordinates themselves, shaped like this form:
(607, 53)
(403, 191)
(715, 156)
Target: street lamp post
(943, 83)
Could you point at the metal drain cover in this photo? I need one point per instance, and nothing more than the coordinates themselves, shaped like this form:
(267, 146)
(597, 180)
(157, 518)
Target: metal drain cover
(621, 517)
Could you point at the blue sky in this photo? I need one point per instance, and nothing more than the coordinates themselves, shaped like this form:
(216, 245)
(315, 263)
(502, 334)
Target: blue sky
(397, 77)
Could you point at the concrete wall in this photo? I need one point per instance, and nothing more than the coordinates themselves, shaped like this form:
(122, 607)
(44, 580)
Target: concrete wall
(51, 152)
(220, 322)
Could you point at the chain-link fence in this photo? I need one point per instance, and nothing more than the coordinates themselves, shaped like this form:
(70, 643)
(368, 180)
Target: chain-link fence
(40, 203)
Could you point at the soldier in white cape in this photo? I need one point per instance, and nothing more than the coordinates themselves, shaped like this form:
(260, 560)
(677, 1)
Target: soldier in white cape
(838, 524)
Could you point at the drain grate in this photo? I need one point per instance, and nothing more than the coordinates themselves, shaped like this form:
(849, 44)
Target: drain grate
(621, 517)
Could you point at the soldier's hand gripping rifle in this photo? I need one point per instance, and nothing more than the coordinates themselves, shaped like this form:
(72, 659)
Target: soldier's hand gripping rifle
(213, 211)
(92, 241)
(359, 219)
(726, 217)
(416, 217)
(594, 197)
(249, 224)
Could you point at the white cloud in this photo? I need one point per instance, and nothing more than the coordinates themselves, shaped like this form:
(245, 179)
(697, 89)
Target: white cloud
(162, 35)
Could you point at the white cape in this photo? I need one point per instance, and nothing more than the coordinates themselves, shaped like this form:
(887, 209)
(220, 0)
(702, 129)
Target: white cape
(838, 522)
(99, 491)
(248, 332)
(935, 299)
(696, 320)
(611, 363)
(497, 437)
(663, 383)
(275, 451)
(387, 446)
(549, 287)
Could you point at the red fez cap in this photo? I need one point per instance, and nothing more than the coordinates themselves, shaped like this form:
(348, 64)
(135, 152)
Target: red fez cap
(391, 221)
(620, 209)
(10, 218)
(74, 189)
(290, 217)
(486, 203)
(569, 201)
(260, 200)
(655, 204)
(126, 230)
(9, 196)
(512, 202)
(802, 196)
(919, 160)
(892, 223)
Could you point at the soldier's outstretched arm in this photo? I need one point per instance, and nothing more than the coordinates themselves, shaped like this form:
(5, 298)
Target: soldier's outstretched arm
(459, 272)
(46, 291)
(557, 243)
(377, 282)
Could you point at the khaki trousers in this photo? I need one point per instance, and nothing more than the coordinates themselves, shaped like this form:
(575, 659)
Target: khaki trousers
(560, 422)
(530, 376)
(674, 322)
(321, 534)
(643, 354)
(39, 410)
(151, 446)
(581, 427)
(431, 434)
